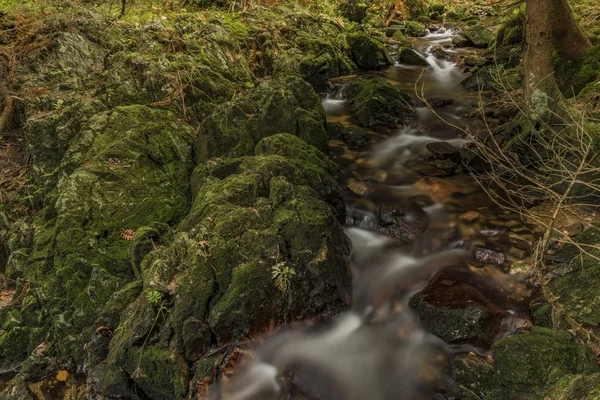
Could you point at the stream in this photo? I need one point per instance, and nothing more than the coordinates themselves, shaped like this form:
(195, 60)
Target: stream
(414, 230)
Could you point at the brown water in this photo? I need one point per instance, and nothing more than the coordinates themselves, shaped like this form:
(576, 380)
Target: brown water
(410, 232)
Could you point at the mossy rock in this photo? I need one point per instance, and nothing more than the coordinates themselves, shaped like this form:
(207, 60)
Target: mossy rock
(575, 289)
(528, 363)
(368, 53)
(411, 57)
(124, 169)
(287, 105)
(581, 387)
(479, 36)
(476, 378)
(414, 28)
(573, 77)
(374, 102)
(354, 10)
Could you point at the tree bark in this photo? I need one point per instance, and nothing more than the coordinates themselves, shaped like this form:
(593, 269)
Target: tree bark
(538, 74)
(570, 41)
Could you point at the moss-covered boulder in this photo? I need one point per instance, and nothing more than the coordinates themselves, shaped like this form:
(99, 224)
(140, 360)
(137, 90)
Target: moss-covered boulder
(414, 28)
(124, 169)
(354, 10)
(375, 102)
(527, 364)
(577, 290)
(581, 387)
(476, 378)
(572, 77)
(411, 57)
(286, 105)
(261, 245)
(479, 36)
(368, 53)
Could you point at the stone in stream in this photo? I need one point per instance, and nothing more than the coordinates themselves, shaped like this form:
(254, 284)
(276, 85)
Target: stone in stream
(440, 53)
(488, 256)
(444, 151)
(374, 102)
(460, 41)
(356, 137)
(411, 57)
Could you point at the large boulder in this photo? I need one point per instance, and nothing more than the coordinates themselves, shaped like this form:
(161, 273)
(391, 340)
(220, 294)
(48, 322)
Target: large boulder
(479, 36)
(262, 244)
(287, 105)
(375, 102)
(368, 53)
(125, 169)
(581, 387)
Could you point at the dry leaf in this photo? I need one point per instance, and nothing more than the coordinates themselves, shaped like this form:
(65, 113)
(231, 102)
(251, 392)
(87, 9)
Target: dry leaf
(128, 234)
(62, 375)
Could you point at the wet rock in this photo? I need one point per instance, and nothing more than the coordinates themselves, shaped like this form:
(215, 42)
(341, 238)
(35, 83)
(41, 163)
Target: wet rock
(527, 364)
(461, 41)
(444, 151)
(411, 57)
(581, 387)
(336, 130)
(440, 53)
(374, 102)
(476, 378)
(355, 137)
(440, 103)
(470, 216)
(488, 256)
(368, 53)
(394, 223)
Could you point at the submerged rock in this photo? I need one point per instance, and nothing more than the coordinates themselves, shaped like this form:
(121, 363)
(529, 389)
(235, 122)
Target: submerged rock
(374, 102)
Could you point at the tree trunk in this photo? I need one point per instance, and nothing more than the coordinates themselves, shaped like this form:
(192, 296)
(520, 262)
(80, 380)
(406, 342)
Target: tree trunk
(538, 74)
(570, 41)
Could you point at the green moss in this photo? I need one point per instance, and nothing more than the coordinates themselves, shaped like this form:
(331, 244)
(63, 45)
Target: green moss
(159, 373)
(414, 28)
(476, 378)
(527, 363)
(573, 77)
(368, 53)
(478, 35)
(375, 102)
(581, 387)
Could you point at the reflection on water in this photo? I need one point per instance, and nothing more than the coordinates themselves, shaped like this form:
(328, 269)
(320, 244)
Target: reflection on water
(405, 228)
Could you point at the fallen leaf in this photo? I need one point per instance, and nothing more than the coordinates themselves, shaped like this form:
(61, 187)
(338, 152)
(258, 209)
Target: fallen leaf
(62, 375)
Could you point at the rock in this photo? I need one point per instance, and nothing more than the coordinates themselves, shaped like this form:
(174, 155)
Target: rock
(287, 105)
(440, 53)
(581, 387)
(414, 28)
(527, 364)
(479, 36)
(461, 41)
(123, 169)
(439, 103)
(368, 53)
(488, 256)
(475, 377)
(354, 10)
(356, 137)
(444, 151)
(411, 57)
(474, 61)
(374, 102)
(581, 302)
(392, 29)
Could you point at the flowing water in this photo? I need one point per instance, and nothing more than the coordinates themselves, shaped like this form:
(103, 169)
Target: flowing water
(409, 231)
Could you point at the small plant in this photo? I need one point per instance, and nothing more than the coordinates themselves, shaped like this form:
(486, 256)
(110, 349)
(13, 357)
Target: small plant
(154, 297)
(282, 274)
